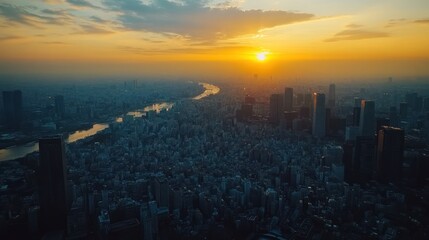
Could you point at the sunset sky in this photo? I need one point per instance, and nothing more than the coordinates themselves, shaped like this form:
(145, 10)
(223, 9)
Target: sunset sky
(198, 38)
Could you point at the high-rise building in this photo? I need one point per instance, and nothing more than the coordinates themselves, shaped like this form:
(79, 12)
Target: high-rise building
(403, 110)
(12, 103)
(308, 101)
(331, 96)
(393, 117)
(59, 106)
(276, 108)
(364, 159)
(288, 99)
(52, 185)
(426, 104)
(356, 111)
(367, 118)
(319, 115)
(390, 154)
(299, 99)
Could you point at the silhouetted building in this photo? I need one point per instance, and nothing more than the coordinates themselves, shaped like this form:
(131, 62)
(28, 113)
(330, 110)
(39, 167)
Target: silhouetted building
(52, 185)
(382, 122)
(331, 96)
(245, 112)
(289, 117)
(319, 115)
(411, 100)
(299, 99)
(426, 104)
(59, 106)
(288, 99)
(367, 118)
(393, 117)
(276, 108)
(364, 163)
(304, 112)
(403, 110)
(308, 100)
(348, 162)
(390, 154)
(356, 116)
(12, 103)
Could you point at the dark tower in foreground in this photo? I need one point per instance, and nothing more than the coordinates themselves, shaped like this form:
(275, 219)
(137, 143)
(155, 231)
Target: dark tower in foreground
(390, 154)
(12, 102)
(52, 185)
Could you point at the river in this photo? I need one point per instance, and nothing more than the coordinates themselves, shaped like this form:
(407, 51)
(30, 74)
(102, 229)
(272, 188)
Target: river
(20, 151)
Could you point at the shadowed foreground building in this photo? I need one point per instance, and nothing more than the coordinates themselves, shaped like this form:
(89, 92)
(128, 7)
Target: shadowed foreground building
(52, 184)
(390, 154)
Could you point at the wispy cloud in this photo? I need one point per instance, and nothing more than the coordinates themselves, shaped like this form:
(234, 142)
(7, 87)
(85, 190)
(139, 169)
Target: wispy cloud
(355, 32)
(195, 20)
(423, 21)
(10, 38)
(55, 43)
(23, 15)
(91, 29)
(82, 3)
(187, 50)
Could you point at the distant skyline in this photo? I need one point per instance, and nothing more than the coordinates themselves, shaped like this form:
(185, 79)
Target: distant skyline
(207, 39)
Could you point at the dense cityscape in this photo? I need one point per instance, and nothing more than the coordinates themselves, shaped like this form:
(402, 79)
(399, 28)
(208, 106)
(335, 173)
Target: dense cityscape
(157, 160)
(214, 120)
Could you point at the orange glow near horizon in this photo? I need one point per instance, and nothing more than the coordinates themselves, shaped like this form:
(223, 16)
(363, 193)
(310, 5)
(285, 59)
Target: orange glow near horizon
(60, 36)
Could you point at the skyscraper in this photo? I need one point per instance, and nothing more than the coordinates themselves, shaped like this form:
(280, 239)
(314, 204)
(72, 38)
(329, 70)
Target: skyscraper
(52, 185)
(367, 118)
(12, 102)
(403, 110)
(319, 118)
(288, 99)
(331, 96)
(276, 108)
(59, 106)
(390, 154)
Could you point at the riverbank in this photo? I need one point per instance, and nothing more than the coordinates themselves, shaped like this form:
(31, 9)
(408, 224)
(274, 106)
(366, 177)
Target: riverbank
(22, 150)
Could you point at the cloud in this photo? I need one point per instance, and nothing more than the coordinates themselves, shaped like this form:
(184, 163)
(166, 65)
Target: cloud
(98, 20)
(15, 14)
(396, 22)
(23, 16)
(10, 38)
(55, 43)
(353, 25)
(53, 1)
(81, 3)
(422, 21)
(187, 50)
(91, 29)
(195, 20)
(356, 34)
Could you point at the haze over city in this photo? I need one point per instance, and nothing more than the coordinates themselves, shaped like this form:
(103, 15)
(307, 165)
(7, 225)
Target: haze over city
(213, 119)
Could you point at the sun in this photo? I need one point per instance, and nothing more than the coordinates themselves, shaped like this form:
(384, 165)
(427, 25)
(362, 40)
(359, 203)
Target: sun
(261, 56)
